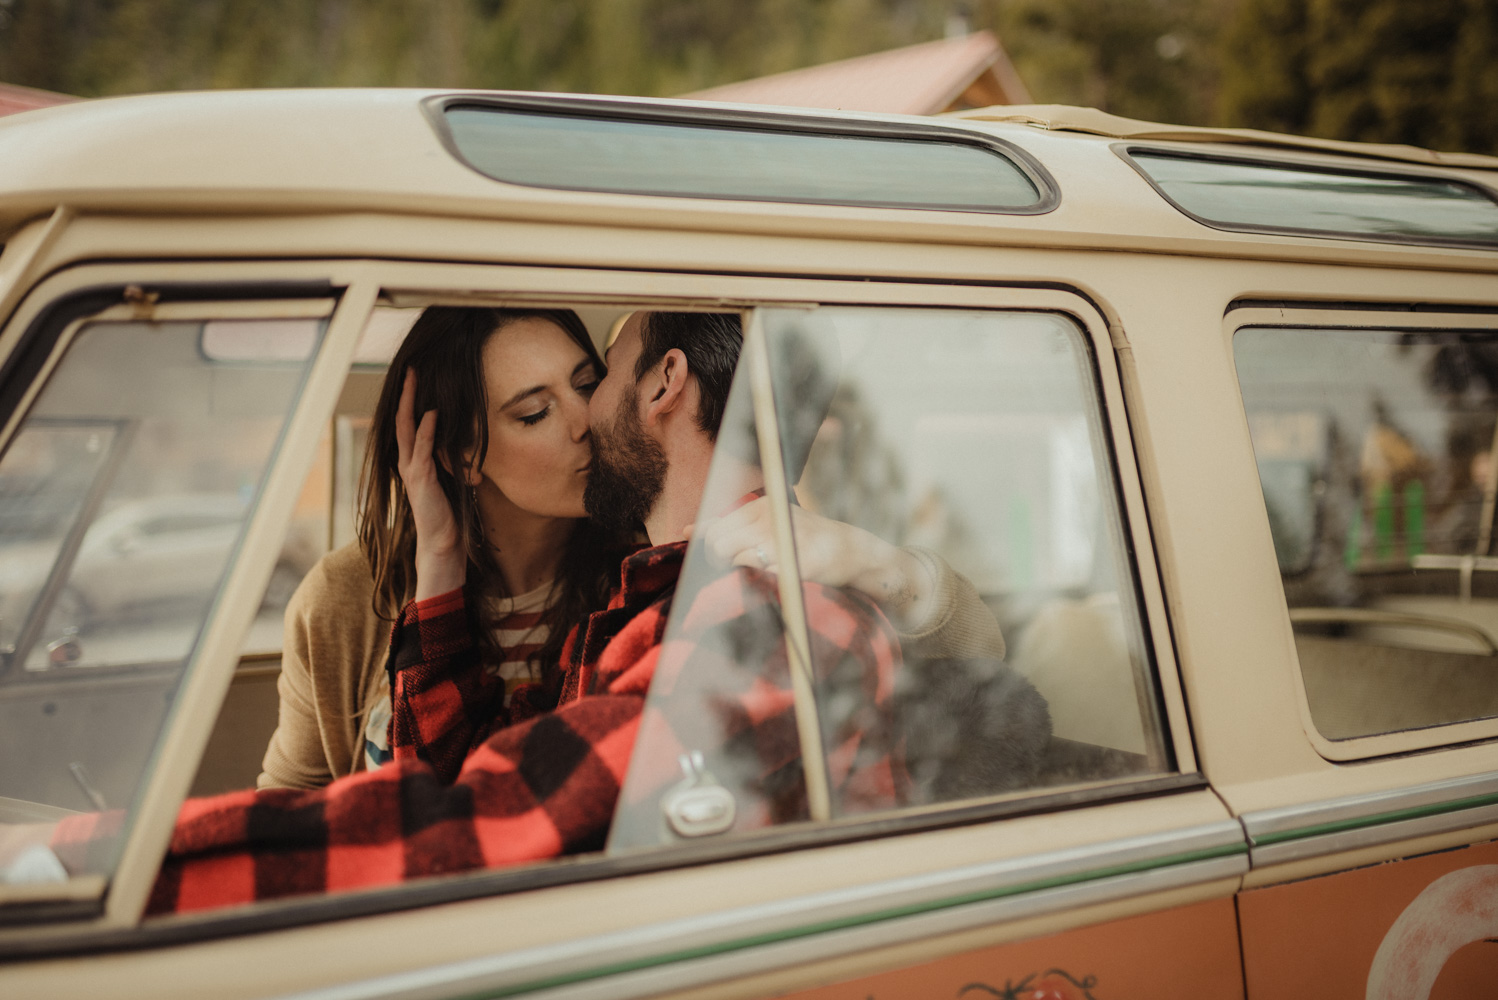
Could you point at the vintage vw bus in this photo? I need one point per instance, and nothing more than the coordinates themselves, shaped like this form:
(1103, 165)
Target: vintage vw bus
(1207, 418)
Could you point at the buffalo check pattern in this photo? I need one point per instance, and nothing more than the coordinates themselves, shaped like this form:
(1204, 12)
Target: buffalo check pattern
(530, 789)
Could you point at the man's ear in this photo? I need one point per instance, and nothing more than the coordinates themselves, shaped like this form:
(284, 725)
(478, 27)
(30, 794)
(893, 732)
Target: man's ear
(668, 386)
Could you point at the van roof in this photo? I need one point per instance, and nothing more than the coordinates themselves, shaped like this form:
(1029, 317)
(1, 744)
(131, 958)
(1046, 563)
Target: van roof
(377, 150)
(1090, 121)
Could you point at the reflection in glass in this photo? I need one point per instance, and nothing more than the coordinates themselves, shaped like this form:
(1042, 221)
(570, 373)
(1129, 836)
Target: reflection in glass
(45, 482)
(710, 685)
(974, 441)
(1287, 197)
(122, 499)
(1375, 452)
(642, 157)
(960, 456)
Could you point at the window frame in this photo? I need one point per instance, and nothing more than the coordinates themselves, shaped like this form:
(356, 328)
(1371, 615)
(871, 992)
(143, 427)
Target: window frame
(408, 283)
(39, 334)
(1330, 317)
(556, 287)
(1342, 167)
(1048, 192)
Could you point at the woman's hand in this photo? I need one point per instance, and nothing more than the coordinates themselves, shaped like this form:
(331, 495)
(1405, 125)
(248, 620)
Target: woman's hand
(830, 553)
(441, 565)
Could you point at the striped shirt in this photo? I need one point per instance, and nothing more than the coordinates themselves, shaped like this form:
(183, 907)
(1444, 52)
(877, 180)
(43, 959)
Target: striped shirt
(520, 631)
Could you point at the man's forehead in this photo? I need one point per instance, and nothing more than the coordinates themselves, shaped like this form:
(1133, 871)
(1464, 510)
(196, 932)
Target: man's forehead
(625, 343)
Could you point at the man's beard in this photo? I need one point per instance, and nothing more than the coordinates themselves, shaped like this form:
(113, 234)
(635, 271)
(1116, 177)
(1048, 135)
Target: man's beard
(628, 473)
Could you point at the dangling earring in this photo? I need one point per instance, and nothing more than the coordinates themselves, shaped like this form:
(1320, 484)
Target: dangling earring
(473, 495)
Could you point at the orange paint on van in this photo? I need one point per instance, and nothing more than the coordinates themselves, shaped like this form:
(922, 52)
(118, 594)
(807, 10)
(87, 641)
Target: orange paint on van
(1190, 951)
(1318, 937)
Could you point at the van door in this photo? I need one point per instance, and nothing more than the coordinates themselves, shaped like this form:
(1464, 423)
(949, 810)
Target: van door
(1374, 432)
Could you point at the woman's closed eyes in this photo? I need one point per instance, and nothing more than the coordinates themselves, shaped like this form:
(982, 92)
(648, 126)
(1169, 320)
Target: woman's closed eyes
(584, 389)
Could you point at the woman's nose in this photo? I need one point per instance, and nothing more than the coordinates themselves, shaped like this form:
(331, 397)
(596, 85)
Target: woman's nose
(577, 418)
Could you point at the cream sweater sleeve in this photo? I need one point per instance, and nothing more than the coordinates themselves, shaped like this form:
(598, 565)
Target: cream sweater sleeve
(960, 625)
(333, 647)
(295, 756)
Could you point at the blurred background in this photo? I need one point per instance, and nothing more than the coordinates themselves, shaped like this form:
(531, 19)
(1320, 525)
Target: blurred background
(1375, 70)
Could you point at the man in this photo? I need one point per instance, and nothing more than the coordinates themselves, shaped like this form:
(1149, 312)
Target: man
(548, 785)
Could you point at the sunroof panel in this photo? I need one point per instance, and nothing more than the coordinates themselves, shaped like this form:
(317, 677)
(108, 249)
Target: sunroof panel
(1260, 196)
(692, 160)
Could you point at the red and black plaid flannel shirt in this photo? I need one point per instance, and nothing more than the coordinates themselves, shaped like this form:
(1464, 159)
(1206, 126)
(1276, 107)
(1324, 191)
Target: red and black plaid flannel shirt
(534, 789)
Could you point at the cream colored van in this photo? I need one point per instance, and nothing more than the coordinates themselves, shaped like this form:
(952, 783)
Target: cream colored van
(1208, 419)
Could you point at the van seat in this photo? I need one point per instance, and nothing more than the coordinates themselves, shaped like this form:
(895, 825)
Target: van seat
(1359, 688)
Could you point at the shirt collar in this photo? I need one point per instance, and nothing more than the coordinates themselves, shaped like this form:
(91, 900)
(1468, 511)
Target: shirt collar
(646, 574)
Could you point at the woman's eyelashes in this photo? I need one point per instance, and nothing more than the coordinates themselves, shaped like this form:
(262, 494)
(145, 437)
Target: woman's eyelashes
(532, 419)
(585, 390)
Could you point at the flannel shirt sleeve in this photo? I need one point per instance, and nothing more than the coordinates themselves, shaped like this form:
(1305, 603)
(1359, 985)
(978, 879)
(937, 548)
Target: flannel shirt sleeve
(856, 654)
(723, 688)
(443, 702)
(536, 790)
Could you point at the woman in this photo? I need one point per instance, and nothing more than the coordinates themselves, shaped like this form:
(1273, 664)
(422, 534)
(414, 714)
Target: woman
(494, 507)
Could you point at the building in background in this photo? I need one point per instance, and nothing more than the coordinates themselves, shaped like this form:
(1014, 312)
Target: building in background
(969, 71)
(14, 100)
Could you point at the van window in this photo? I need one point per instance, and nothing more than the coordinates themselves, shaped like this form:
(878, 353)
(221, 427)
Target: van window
(760, 163)
(123, 496)
(1262, 196)
(1376, 456)
(973, 445)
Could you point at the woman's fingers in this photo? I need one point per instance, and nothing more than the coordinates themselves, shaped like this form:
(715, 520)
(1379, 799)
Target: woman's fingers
(426, 436)
(405, 423)
(440, 566)
(414, 442)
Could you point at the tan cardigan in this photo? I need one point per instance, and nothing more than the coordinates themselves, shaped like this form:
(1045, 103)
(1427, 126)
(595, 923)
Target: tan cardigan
(336, 648)
(331, 667)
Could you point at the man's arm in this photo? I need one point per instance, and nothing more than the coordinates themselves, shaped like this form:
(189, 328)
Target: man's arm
(723, 689)
(936, 611)
(957, 625)
(536, 790)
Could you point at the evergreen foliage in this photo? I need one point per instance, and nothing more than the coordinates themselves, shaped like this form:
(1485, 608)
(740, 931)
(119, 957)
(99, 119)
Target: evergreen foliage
(1106, 53)
(1377, 70)
(1370, 70)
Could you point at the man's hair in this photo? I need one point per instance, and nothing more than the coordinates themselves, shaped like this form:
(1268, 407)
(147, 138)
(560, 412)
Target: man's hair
(711, 342)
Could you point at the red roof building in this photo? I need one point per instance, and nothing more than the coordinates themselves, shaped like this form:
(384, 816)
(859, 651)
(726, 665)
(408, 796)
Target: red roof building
(14, 100)
(970, 71)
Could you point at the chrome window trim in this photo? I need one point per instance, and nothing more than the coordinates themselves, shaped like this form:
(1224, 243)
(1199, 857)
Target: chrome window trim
(681, 953)
(1291, 833)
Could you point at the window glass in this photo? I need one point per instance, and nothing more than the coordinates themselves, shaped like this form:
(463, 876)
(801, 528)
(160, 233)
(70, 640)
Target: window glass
(706, 161)
(122, 499)
(954, 501)
(1375, 452)
(717, 749)
(1239, 194)
(974, 442)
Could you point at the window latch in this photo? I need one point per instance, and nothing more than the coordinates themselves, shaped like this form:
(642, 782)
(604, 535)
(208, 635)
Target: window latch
(698, 806)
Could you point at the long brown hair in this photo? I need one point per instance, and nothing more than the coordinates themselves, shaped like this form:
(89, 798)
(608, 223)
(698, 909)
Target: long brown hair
(445, 348)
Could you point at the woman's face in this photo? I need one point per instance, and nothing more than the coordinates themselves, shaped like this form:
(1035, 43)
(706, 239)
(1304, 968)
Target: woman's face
(538, 382)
